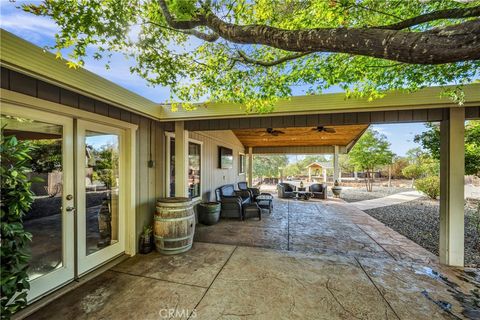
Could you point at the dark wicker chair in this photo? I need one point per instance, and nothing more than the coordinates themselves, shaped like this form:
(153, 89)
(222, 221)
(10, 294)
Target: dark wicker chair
(318, 190)
(286, 190)
(254, 192)
(231, 201)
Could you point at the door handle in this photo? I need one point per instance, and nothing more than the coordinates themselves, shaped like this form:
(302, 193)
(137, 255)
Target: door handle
(70, 209)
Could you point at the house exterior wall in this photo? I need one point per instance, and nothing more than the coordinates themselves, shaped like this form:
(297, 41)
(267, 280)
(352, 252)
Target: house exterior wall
(150, 181)
(212, 176)
(150, 137)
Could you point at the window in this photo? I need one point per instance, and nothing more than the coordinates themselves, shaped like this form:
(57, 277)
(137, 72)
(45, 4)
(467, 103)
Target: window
(241, 163)
(172, 167)
(194, 165)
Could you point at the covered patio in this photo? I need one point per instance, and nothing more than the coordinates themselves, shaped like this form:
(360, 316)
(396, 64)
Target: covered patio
(352, 266)
(314, 259)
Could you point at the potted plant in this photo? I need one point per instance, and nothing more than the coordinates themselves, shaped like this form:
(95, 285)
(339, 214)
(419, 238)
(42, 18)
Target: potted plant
(336, 189)
(209, 212)
(146, 243)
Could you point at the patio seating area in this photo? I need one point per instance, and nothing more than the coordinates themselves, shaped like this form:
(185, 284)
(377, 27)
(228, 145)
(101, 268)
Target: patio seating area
(321, 259)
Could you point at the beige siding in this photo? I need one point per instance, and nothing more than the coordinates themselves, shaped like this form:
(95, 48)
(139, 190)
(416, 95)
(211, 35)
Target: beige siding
(212, 176)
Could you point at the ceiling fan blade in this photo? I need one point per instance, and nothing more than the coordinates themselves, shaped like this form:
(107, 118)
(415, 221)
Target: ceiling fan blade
(329, 130)
(279, 132)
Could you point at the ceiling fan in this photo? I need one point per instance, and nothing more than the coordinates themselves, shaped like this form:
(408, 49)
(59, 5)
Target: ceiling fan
(272, 132)
(324, 129)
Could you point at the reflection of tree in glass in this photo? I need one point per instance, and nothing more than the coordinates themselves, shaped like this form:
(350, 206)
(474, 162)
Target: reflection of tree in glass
(105, 164)
(46, 155)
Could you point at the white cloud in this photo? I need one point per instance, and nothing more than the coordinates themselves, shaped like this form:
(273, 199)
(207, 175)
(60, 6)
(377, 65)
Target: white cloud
(382, 130)
(35, 29)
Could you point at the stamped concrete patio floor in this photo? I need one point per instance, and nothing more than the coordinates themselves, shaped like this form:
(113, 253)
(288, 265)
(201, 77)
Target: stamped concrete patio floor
(305, 260)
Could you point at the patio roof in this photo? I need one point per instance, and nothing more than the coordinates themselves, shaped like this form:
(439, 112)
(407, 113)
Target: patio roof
(284, 139)
(24, 57)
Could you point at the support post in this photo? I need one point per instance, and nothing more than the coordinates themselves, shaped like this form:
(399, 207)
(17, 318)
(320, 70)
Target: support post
(309, 174)
(335, 164)
(181, 160)
(452, 171)
(250, 167)
(324, 175)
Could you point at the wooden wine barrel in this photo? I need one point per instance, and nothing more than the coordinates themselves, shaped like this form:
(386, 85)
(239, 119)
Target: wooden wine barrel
(174, 225)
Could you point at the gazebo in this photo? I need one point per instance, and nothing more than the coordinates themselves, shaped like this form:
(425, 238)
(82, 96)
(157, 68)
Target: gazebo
(314, 169)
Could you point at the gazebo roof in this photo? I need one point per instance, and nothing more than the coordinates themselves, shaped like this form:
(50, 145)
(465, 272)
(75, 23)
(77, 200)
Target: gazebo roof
(319, 165)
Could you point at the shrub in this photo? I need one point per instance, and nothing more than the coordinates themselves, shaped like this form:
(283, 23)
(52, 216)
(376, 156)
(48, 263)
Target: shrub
(429, 185)
(16, 199)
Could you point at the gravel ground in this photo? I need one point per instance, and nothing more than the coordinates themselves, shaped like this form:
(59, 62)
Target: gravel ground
(418, 220)
(360, 194)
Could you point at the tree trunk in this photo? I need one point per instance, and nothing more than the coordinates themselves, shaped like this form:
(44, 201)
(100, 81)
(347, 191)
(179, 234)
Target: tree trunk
(455, 43)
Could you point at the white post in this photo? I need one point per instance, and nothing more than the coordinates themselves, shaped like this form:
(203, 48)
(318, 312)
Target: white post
(324, 175)
(181, 160)
(335, 164)
(250, 167)
(355, 175)
(310, 174)
(452, 171)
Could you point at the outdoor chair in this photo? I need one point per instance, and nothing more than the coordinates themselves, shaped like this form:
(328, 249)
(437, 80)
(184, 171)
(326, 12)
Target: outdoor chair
(286, 190)
(254, 192)
(231, 201)
(318, 190)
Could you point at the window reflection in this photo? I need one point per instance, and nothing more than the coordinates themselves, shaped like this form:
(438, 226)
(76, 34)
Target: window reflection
(44, 219)
(194, 165)
(102, 189)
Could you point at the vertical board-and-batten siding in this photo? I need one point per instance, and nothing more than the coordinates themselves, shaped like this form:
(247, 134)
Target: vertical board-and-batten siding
(212, 176)
(149, 181)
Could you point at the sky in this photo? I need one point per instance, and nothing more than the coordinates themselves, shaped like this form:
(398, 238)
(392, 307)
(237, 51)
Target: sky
(41, 31)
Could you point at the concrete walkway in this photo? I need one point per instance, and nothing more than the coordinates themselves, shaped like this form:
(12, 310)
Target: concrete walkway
(305, 260)
(391, 200)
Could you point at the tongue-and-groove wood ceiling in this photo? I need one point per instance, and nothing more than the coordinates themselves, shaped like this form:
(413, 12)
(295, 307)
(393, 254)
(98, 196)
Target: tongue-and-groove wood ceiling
(301, 136)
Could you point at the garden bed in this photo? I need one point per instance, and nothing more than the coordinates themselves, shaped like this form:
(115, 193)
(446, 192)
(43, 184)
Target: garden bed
(360, 194)
(418, 220)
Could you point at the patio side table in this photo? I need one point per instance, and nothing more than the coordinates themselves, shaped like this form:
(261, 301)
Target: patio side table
(265, 201)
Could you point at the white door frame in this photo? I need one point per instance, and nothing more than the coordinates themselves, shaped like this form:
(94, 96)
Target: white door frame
(168, 136)
(88, 262)
(52, 280)
(11, 101)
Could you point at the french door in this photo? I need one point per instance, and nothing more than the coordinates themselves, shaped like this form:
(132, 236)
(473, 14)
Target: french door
(100, 194)
(77, 219)
(50, 219)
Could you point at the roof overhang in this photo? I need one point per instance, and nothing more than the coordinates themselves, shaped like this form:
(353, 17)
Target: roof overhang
(24, 57)
(427, 98)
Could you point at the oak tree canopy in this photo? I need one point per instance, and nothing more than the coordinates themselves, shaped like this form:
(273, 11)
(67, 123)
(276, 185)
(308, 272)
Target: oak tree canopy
(255, 52)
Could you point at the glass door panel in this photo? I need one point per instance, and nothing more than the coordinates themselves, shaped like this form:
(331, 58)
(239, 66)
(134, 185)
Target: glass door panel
(101, 189)
(100, 194)
(50, 219)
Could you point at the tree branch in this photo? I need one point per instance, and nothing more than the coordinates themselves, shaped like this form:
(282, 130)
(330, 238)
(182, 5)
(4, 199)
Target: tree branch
(183, 25)
(433, 16)
(460, 42)
(209, 37)
(245, 58)
(187, 27)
